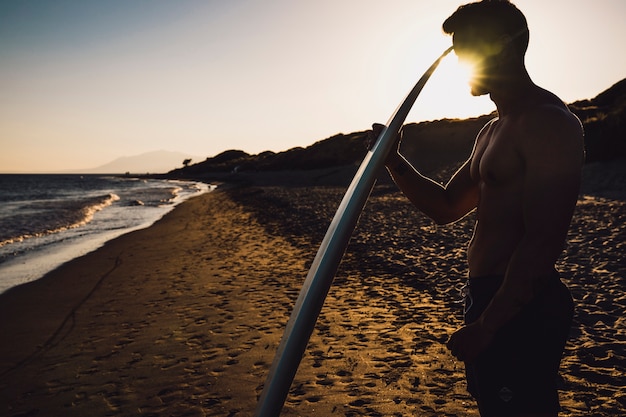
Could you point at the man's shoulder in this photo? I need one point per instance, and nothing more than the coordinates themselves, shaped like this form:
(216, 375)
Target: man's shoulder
(550, 119)
(486, 128)
(549, 111)
(552, 130)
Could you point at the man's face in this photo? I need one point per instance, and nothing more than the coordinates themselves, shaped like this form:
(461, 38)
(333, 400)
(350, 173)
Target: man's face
(478, 53)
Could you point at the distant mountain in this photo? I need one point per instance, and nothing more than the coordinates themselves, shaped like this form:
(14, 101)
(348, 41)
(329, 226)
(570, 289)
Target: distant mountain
(429, 145)
(150, 162)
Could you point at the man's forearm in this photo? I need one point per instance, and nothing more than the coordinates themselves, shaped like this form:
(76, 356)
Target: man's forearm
(398, 166)
(510, 299)
(428, 196)
(529, 269)
(423, 192)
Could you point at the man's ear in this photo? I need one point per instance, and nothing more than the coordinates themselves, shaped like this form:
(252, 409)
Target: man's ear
(496, 47)
(504, 42)
(504, 48)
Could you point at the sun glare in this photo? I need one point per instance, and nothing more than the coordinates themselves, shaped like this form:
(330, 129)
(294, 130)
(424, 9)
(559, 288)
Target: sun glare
(448, 92)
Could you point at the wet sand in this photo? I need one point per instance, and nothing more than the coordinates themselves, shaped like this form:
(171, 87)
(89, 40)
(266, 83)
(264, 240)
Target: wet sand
(183, 318)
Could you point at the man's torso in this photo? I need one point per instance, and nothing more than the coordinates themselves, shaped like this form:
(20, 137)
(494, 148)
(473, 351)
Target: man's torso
(499, 167)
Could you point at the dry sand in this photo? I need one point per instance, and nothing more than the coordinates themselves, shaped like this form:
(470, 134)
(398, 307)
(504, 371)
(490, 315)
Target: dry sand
(183, 318)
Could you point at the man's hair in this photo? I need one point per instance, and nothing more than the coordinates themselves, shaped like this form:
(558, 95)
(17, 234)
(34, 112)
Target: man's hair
(491, 19)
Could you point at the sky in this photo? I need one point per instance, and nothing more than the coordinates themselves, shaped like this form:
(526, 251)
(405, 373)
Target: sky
(83, 82)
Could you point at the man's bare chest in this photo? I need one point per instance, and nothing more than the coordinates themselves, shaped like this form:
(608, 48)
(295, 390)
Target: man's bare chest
(497, 160)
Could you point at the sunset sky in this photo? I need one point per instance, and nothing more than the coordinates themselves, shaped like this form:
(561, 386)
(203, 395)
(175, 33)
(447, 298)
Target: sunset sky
(83, 82)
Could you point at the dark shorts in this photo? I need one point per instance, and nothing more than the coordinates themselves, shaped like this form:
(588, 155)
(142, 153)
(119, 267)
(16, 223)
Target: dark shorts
(519, 371)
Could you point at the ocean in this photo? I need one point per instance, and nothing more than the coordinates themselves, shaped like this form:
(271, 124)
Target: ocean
(47, 220)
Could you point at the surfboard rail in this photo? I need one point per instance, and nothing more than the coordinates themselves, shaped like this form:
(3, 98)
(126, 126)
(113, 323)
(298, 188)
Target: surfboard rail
(326, 262)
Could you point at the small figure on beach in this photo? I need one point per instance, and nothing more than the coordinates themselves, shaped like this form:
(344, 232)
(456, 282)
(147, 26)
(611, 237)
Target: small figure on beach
(523, 179)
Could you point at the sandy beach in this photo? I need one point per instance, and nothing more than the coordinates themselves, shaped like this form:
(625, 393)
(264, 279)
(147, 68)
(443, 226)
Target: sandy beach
(183, 318)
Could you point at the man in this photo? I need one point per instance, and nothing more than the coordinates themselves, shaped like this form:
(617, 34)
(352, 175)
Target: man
(523, 178)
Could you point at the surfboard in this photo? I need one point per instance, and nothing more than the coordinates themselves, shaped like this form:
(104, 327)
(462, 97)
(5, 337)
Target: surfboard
(326, 262)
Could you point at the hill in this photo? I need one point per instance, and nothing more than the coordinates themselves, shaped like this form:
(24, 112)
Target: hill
(157, 161)
(604, 119)
(428, 145)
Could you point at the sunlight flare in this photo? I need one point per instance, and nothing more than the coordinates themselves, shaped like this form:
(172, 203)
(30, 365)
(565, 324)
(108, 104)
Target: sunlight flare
(450, 90)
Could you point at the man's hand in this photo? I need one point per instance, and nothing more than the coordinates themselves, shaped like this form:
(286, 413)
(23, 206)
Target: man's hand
(469, 341)
(372, 136)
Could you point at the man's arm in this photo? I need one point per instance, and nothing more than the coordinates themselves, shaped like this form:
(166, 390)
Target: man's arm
(442, 204)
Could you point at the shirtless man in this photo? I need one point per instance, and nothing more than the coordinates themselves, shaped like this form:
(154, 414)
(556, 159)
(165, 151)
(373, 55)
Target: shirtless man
(523, 178)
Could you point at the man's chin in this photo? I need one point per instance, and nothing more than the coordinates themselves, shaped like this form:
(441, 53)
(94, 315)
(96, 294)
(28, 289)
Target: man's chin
(478, 91)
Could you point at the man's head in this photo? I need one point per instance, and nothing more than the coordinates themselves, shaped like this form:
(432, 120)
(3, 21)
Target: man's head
(487, 34)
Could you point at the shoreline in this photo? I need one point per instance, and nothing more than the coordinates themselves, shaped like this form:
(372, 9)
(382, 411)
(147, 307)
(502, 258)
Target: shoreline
(184, 317)
(107, 311)
(33, 263)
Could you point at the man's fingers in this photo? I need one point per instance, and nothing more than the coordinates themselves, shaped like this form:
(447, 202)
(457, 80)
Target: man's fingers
(377, 128)
(452, 346)
(372, 135)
